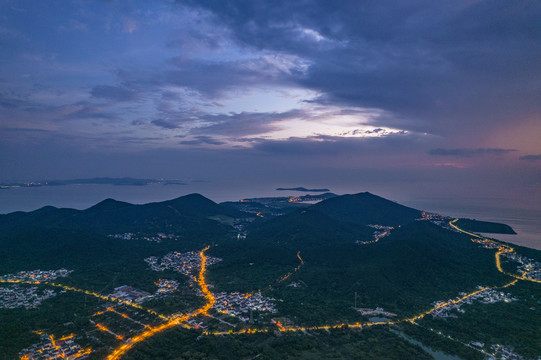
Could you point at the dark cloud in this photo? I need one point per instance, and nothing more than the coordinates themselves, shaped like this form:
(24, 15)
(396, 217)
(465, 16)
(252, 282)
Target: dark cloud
(83, 110)
(464, 72)
(531, 157)
(469, 152)
(25, 130)
(214, 78)
(242, 124)
(202, 140)
(164, 123)
(436, 64)
(343, 149)
(114, 93)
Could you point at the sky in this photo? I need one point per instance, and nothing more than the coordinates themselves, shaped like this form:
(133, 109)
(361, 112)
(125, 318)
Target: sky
(415, 97)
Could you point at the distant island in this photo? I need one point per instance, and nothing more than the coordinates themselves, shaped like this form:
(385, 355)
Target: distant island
(303, 189)
(125, 181)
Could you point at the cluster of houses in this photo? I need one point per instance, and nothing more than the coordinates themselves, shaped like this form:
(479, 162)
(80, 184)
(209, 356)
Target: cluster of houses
(165, 287)
(16, 296)
(35, 275)
(530, 267)
(381, 232)
(505, 352)
(375, 312)
(129, 293)
(51, 348)
(155, 238)
(238, 304)
(437, 219)
(187, 263)
(241, 231)
(487, 243)
(487, 296)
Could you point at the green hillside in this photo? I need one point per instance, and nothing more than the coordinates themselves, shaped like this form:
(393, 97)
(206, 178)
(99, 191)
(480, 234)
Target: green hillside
(189, 215)
(485, 226)
(366, 208)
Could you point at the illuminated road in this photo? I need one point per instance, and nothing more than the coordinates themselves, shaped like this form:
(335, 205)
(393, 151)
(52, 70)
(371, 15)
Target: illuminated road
(86, 292)
(286, 276)
(502, 248)
(179, 320)
(284, 328)
(174, 321)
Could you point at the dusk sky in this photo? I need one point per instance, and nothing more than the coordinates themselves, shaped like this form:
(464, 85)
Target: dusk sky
(394, 96)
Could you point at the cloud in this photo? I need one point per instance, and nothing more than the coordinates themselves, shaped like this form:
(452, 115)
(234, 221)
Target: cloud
(467, 152)
(443, 67)
(242, 124)
(342, 149)
(82, 110)
(202, 140)
(115, 93)
(129, 25)
(214, 79)
(165, 124)
(531, 157)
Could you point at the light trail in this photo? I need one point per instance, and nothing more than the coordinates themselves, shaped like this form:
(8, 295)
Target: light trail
(174, 321)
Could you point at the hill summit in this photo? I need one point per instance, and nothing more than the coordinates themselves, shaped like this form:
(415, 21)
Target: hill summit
(366, 208)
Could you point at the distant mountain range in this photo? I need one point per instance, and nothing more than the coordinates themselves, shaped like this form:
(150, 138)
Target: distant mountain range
(303, 189)
(192, 211)
(125, 181)
(185, 214)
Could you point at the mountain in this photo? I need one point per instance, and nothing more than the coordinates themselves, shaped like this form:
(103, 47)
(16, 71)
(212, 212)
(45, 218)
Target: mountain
(300, 188)
(308, 227)
(196, 205)
(108, 205)
(485, 226)
(366, 208)
(188, 214)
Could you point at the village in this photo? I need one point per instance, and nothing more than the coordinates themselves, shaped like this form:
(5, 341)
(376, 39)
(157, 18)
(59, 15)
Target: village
(187, 263)
(237, 304)
(529, 267)
(158, 238)
(381, 232)
(35, 276)
(441, 220)
(131, 294)
(51, 348)
(15, 296)
(504, 352)
(487, 296)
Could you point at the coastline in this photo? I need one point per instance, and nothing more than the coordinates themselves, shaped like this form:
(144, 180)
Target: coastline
(526, 222)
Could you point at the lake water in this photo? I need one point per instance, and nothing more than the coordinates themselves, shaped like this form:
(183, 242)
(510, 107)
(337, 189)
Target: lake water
(437, 355)
(526, 222)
